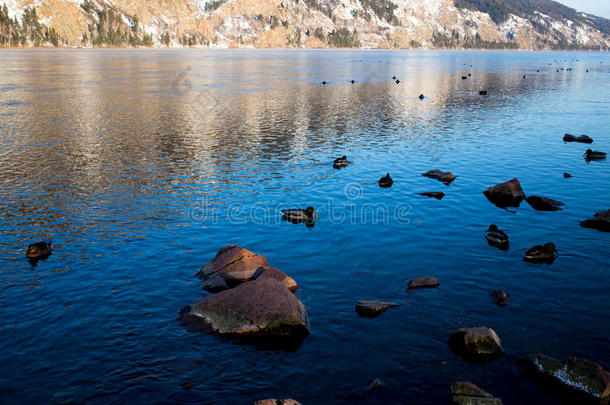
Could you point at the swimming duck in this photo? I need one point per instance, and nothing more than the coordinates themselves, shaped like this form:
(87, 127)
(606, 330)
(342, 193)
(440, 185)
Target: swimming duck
(386, 181)
(38, 250)
(593, 155)
(541, 254)
(496, 237)
(340, 162)
(298, 216)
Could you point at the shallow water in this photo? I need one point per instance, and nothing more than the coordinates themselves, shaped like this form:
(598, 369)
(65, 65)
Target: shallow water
(140, 165)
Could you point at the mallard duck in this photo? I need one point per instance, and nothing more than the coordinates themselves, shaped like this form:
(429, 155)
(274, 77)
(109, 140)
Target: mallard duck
(38, 250)
(593, 155)
(300, 215)
(496, 237)
(340, 162)
(386, 181)
(541, 254)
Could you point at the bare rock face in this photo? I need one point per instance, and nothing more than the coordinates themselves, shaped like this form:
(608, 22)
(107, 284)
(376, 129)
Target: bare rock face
(480, 343)
(466, 393)
(445, 177)
(371, 309)
(508, 194)
(263, 308)
(580, 378)
(600, 221)
(544, 204)
(274, 401)
(234, 264)
(422, 282)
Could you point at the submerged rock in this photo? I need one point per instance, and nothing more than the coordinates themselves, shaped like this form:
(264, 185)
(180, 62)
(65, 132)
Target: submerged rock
(234, 264)
(264, 308)
(445, 177)
(544, 204)
(371, 309)
(567, 175)
(375, 384)
(466, 393)
(599, 221)
(273, 401)
(581, 139)
(508, 194)
(422, 282)
(433, 194)
(480, 343)
(500, 297)
(580, 377)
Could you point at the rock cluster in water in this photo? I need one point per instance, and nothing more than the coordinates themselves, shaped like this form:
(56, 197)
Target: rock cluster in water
(255, 302)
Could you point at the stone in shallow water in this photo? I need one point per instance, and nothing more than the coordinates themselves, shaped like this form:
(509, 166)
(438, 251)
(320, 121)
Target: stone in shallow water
(544, 204)
(434, 194)
(261, 308)
(581, 378)
(375, 384)
(273, 401)
(600, 221)
(234, 264)
(445, 177)
(581, 138)
(466, 393)
(508, 194)
(422, 282)
(479, 343)
(371, 309)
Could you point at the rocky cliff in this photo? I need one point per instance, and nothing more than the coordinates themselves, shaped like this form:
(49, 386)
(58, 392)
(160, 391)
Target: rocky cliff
(522, 24)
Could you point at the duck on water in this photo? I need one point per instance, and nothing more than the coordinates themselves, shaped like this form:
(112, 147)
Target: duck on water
(299, 215)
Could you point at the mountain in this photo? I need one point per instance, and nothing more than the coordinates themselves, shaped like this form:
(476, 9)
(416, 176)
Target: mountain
(515, 24)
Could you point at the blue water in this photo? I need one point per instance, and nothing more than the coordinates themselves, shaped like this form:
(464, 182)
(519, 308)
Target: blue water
(140, 165)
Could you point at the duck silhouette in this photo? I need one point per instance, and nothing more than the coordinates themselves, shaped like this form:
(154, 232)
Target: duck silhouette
(386, 181)
(340, 162)
(496, 237)
(541, 254)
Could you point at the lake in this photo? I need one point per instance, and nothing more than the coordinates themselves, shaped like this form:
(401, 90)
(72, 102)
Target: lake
(140, 164)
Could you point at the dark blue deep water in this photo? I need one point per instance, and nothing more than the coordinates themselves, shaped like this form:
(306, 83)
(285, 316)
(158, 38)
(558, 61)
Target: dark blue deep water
(140, 165)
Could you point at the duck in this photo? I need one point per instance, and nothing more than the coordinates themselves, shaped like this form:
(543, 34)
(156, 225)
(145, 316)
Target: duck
(386, 181)
(541, 254)
(496, 237)
(397, 81)
(421, 96)
(594, 155)
(299, 215)
(39, 250)
(340, 162)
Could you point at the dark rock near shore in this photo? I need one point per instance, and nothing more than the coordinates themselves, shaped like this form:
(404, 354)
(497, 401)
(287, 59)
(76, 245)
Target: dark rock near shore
(422, 282)
(234, 264)
(445, 177)
(479, 344)
(508, 194)
(500, 297)
(599, 221)
(581, 139)
(375, 384)
(577, 379)
(263, 308)
(466, 393)
(433, 194)
(273, 401)
(371, 309)
(544, 204)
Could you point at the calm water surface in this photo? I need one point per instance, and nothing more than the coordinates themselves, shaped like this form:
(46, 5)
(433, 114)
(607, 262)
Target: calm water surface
(139, 165)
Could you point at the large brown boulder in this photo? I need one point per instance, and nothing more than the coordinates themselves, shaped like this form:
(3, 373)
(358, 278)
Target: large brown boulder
(600, 221)
(233, 265)
(574, 376)
(480, 343)
(507, 194)
(466, 393)
(264, 308)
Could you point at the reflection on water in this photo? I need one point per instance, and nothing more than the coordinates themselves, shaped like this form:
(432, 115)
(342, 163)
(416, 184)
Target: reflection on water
(139, 165)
